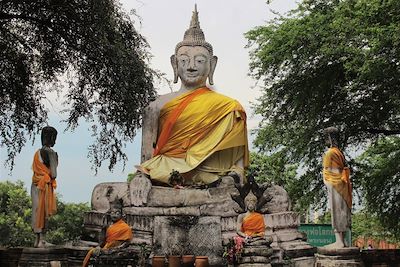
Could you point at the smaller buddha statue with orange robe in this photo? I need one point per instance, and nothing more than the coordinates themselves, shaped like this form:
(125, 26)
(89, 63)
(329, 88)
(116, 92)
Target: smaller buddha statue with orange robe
(118, 235)
(251, 223)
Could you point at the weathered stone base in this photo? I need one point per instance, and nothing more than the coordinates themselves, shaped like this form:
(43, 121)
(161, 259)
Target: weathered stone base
(255, 265)
(43, 257)
(288, 242)
(343, 257)
(67, 257)
(303, 262)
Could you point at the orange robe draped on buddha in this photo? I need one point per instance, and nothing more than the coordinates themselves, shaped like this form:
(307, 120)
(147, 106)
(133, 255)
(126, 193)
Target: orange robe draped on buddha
(47, 199)
(118, 231)
(253, 224)
(201, 132)
(339, 181)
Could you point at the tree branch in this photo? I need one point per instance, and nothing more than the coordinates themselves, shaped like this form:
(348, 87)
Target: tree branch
(383, 131)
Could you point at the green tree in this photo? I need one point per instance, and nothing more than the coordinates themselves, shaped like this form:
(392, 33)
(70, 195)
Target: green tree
(329, 63)
(67, 223)
(15, 215)
(277, 169)
(15, 218)
(94, 47)
(379, 177)
(367, 224)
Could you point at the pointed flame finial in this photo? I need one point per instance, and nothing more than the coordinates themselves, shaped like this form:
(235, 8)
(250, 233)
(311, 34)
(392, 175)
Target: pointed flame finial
(194, 23)
(194, 36)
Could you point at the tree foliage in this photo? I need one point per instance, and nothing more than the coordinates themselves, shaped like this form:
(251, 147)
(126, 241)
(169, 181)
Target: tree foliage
(379, 177)
(15, 215)
(276, 169)
(94, 47)
(367, 225)
(67, 224)
(328, 63)
(15, 218)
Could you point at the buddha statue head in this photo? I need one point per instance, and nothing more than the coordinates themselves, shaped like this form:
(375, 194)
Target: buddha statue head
(48, 136)
(115, 210)
(193, 61)
(250, 202)
(331, 135)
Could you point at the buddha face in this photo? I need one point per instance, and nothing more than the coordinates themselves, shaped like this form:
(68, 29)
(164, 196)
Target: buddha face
(115, 215)
(251, 204)
(193, 65)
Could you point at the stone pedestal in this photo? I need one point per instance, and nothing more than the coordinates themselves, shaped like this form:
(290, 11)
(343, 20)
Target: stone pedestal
(188, 235)
(43, 257)
(288, 243)
(342, 257)
(152, 224)
(253, 256)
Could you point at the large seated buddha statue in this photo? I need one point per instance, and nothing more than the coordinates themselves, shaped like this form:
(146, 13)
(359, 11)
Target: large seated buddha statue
(194, 131)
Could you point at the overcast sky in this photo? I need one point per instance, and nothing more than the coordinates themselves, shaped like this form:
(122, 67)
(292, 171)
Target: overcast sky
(163, 23)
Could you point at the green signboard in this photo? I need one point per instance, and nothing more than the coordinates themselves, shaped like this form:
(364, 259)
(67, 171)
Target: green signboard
(319, 235)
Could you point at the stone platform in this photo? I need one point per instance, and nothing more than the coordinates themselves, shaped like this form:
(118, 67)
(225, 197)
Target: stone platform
(43, 257)
(60, 256)
(342, 257)
(196, 221)
(288, 242)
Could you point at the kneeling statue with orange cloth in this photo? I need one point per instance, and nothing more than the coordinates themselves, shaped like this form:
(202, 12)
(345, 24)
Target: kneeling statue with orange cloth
(118, 235)
(44, 166)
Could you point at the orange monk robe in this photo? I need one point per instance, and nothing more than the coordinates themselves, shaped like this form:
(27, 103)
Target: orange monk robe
(47, 199)
(253, 224)
(116, 233)
(199, 131)
(339, 181)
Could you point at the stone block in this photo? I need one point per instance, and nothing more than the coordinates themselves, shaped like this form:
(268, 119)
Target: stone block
(35, 257)
(303, 262)
(254, 259)
(255, 265)
(142, 223)
(144, 211)
(182, 211)
(139, 189)
(335, 261)
(142, 237)
(287, 235)
(170, 197)
(224, 208)
(281, 220)
(103, 193)
(180, 235)
(297, 248)
(257, 251)
(94, 218)
(279, 202)
(229, 223)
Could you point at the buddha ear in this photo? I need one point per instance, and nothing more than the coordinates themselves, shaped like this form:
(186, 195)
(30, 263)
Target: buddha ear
(174, 64)
(213, 63)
